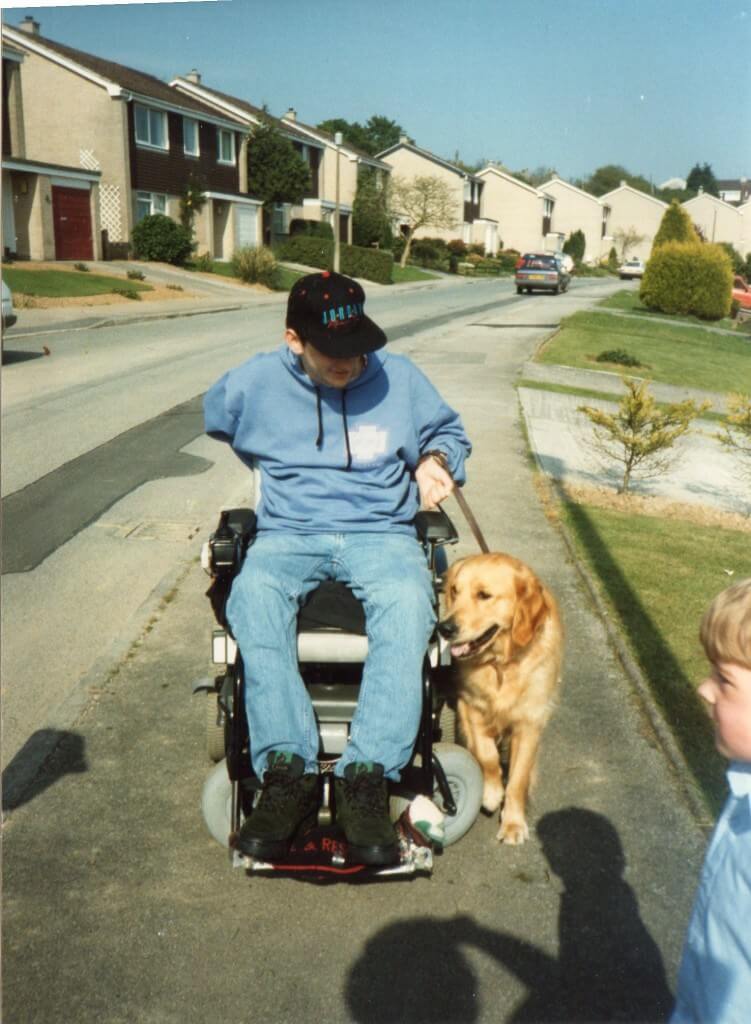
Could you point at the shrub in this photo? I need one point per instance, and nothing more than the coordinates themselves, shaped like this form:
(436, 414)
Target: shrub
(618, 355)
(476, 248)
(356, 261)
(613, 258)
(371, 264)
(255, 265)
(310, 228)
(457, 247)
(575, 245)
(81, 266)
(158, 237)
(508, 258)
(204, 263)
(675, 226)
(311, 252)
(128, 293)
(688, 278)
(431, 253)
(136, 275)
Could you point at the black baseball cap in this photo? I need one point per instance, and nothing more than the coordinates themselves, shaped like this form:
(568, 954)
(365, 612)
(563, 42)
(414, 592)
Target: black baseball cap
(327, 310)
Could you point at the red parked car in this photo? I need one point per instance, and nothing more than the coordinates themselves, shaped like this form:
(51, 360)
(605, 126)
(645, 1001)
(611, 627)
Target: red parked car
(741, 292)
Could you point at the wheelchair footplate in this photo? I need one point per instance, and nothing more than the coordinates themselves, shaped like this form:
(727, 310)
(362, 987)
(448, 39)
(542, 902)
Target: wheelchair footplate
(319, 854)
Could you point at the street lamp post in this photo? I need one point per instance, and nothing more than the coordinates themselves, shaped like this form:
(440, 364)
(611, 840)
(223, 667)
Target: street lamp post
(337, 143)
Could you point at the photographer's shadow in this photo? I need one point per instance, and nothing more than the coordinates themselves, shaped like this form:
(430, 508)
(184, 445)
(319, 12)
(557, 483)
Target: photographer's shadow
(608, 969)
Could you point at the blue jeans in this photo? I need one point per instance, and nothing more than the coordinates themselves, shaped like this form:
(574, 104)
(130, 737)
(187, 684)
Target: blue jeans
(389, 574)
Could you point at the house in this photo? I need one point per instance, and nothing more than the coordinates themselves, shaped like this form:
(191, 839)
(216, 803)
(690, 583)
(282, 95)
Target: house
(524, 214)
(351, 159)
(632, 213)
(577, 210)
(735, 191)
(48, 207)
(250, 116)
(471, 223)
(717, 220)
(133, 137)
(745, 244)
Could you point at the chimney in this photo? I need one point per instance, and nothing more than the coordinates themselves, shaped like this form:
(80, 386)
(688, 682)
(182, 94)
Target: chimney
(29, 26)
(291, 114)
(194, 77)
(404, 140)
(701, 190)
(623, 184)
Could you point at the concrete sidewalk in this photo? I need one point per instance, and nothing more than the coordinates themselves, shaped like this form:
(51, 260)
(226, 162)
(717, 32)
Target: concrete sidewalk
(119, 900)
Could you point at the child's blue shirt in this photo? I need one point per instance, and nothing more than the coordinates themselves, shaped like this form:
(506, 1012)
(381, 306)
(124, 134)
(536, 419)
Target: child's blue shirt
(714, 981)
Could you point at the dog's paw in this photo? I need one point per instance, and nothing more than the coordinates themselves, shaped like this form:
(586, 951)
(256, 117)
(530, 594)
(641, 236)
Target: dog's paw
(513, 833)
(492, 796)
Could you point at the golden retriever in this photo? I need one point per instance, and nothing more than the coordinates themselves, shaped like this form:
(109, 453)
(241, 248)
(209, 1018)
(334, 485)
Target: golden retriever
(506, 642)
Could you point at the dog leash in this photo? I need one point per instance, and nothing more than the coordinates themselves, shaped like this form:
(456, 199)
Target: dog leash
(469, 516)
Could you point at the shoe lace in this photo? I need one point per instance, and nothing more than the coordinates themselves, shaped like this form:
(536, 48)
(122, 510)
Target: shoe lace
(366, 793)
(278, 789)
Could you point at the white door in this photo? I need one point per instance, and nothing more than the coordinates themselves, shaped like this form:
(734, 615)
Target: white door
(247, 226)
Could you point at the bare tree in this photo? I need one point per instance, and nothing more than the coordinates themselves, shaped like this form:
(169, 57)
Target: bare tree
(640, 435)
(424, 201)
(626, 239)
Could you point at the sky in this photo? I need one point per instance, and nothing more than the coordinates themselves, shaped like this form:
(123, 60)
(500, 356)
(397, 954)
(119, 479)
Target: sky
(653, 85)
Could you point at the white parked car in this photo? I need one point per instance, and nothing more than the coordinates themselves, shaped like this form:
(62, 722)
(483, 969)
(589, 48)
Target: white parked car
(9, 315)
(631, 268)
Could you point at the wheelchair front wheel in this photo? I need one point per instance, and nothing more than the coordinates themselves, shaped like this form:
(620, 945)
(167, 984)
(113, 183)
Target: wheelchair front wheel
(464, 777)
(216, 803)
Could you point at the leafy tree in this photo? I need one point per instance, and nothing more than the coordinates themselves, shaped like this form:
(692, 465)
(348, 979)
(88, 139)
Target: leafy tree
(575, 246)
(639, 435)
(276, 172)
(701, 176)
(377, 134)
(675, 226)
(370, 217)
(736, 430)
(423, 201)
(537, 176)
(610, 176)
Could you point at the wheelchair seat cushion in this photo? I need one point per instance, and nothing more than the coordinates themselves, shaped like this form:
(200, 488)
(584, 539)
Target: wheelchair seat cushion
(332, 605)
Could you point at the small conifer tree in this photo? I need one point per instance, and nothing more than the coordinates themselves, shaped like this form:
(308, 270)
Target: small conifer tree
(675, 226)
(639, 435)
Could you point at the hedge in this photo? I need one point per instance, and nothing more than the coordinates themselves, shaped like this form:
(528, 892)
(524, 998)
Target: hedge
(370, 264)
(688, 278)
(158, 237)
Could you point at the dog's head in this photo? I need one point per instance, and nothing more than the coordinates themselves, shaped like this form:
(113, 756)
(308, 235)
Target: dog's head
(494, 605)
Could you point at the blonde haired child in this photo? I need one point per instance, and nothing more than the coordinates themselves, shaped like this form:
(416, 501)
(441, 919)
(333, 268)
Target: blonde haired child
(714, 980)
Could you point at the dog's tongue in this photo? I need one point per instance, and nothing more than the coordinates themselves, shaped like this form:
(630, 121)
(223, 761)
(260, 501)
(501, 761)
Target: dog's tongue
(459, 650)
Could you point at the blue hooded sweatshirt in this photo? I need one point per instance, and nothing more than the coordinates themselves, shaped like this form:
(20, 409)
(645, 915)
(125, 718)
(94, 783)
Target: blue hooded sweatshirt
(334, 460)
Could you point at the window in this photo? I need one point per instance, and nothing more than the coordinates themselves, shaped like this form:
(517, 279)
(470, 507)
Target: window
(225, 146)
(148, 203)
(190, 137)
(151, 127)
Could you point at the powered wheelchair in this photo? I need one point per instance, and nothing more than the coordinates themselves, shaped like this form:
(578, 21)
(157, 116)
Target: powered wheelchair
(331, 646)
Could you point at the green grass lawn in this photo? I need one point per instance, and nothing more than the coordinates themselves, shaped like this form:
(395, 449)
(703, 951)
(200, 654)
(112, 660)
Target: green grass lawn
(629, 302)
(64, 283)
(285, 277)
(683, 355)
(403, 275)
(659, 601)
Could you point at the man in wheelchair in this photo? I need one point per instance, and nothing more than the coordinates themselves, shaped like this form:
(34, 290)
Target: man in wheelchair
(349, 442)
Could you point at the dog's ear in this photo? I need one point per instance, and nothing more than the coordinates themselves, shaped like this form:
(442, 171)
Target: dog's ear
(531, 609)
(448, 576)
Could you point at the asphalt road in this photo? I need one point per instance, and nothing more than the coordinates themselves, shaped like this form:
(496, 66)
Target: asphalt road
(118, 905)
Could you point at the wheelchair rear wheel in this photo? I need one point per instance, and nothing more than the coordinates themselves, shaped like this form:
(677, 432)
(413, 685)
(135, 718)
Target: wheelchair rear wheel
(214, 728)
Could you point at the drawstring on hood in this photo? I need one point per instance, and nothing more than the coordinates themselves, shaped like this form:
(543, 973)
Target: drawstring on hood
(319, 438)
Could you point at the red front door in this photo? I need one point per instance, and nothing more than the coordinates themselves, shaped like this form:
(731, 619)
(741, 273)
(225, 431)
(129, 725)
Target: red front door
(71, 215)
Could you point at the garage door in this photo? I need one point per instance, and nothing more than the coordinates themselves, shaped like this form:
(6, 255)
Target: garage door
(247, 226)
(71, 215)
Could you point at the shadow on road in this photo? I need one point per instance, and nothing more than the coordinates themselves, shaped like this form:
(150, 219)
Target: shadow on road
(46, 756)
(10, 356)
(608, 968)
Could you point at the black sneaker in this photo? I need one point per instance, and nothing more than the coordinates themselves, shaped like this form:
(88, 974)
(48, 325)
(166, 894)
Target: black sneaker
(362, 811)
(288, 798)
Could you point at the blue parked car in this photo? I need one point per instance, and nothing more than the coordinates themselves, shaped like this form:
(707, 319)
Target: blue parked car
(541, 271)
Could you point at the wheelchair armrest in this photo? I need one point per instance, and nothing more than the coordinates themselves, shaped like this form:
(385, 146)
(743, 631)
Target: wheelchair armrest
(229, 542)
(434, 527)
